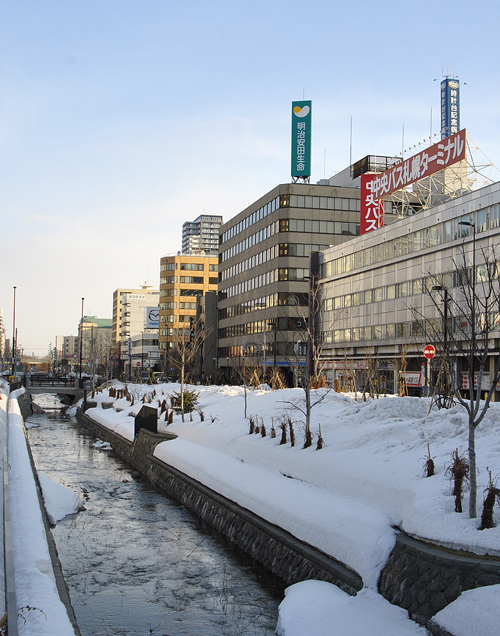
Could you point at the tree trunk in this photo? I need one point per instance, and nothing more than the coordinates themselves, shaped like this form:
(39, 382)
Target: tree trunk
(182, 387)
(472, 468)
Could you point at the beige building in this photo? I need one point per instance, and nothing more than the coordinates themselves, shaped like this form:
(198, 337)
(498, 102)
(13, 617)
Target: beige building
(183, 279)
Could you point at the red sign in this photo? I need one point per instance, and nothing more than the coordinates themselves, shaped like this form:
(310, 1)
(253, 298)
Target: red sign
(429, 352)
(439, 156)
(372, 208)
(376, 186)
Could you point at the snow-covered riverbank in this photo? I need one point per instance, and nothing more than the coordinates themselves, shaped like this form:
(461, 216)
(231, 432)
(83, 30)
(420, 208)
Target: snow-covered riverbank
(345, 498)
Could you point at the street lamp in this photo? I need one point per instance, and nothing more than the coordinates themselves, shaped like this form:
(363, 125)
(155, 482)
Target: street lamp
(473, 304)
(14, 336)
(446, 299)
(81, 347)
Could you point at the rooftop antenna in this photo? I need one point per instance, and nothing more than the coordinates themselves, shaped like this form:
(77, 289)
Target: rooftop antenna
(403, 144)
(350, 144)
(324, 165)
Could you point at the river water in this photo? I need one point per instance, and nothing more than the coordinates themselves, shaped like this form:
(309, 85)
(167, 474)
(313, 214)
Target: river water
(135, 561)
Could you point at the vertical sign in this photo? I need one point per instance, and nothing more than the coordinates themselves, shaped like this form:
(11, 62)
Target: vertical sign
(450, 107)
(372, 207)
(301, 139)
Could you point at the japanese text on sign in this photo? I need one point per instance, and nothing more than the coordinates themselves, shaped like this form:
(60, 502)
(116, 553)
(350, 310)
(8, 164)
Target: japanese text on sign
(372, 208)
(443, 154)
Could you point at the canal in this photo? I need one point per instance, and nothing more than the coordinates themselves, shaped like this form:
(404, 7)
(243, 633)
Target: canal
(137, 562)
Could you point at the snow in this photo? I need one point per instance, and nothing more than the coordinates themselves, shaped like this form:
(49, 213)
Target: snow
(316, 608)
(347, 498)
(474, 612)
(40, 611)
(59, 501)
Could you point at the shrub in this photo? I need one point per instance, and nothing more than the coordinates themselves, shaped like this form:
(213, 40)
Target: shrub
(458, 469)
(190, 401)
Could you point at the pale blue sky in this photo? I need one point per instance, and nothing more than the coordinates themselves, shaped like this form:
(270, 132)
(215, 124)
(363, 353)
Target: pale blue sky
(120, 120)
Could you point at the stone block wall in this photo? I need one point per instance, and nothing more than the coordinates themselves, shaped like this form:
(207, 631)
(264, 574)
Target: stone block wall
(423, 578)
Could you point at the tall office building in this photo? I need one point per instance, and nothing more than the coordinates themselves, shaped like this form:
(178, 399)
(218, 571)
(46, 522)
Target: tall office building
(201, 235)
(264, 268)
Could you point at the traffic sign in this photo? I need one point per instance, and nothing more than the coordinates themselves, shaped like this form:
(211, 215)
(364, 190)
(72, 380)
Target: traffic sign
(430, 352)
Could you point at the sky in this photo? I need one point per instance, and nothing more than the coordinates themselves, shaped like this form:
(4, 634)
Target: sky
(120, 120)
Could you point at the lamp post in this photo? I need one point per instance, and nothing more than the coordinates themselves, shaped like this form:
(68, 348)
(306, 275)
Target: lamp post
(446, 299)
(14, 336)
(473, 305)
(81, 347)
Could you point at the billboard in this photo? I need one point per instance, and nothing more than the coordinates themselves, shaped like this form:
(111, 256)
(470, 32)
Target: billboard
(372, 207)
(152, 318)
(301, 139)
(424, 164)
(450, 107)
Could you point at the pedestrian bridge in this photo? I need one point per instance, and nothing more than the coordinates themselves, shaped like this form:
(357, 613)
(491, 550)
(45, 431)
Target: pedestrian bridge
(40, 384)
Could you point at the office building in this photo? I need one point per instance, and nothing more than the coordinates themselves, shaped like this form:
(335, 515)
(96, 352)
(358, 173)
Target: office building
(264, 267)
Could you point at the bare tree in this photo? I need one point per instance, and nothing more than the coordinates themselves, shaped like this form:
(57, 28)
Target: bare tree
(310, 339)
(184, 347)
(469, 320)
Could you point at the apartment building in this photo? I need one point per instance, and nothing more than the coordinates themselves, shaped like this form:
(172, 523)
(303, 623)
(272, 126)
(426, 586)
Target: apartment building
(201, 236)
(184, 278)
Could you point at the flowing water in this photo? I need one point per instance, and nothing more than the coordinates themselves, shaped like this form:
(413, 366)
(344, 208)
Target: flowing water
(135, 561)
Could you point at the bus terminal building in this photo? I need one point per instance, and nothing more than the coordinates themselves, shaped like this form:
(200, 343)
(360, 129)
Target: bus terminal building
(382, 293)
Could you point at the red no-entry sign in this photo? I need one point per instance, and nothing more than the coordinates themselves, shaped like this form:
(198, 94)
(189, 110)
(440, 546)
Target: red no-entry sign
(430, 352)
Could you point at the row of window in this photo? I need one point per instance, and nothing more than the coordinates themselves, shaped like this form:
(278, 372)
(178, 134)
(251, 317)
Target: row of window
(282, 299)
(429, 328)
(248, 221)
(174, 318)
(175, 332)
(193, 267)
(182, 292)
(263, 326)
(173, 305)
(275, 275)
(249, 263)
(447, 280)
(283, 249)
(413, 242)
(319, 227)
(293, 201)
(308, 226)
(189, 280)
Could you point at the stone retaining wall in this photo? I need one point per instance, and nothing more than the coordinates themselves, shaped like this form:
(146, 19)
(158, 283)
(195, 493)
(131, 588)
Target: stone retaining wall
(423, 578)
(24, 401)
(277, 550)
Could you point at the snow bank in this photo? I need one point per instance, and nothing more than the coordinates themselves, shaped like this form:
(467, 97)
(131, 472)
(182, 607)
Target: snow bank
(35, 583)
(59, 501)
(474, 612)
(317, 608)
(353, 533)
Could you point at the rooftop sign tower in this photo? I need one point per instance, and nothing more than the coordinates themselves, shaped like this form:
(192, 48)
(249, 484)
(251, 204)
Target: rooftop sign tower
(301, 141)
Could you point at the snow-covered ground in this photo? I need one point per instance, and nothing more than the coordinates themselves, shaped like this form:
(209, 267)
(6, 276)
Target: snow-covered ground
(345, 498)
